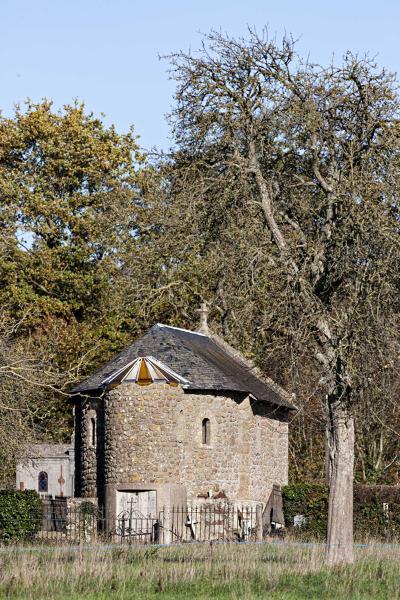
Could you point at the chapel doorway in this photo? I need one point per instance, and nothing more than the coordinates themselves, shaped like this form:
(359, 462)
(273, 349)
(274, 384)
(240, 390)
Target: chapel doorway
(137, 515)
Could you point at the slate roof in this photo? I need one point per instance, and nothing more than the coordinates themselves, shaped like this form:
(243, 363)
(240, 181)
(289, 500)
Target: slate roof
(204, 360)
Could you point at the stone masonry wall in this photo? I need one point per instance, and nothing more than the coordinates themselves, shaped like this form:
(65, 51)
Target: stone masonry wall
(89, 458)
(140, 434)
(248, 449)
(153, 434)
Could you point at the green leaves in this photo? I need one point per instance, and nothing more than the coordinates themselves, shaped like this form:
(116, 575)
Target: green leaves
(70, 196)
(20, 514)
(68, 202)
(376, 510)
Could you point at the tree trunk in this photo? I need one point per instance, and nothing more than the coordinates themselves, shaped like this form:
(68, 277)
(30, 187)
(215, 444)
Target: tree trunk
(341, 462)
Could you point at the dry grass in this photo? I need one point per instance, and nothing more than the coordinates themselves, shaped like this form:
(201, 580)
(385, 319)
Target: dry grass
(197, 571)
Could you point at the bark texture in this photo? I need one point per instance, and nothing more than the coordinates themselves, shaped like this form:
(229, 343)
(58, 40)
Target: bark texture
(341, 465)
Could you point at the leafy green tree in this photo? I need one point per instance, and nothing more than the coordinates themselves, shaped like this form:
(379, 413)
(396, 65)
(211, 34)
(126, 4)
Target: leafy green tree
(69, 189)
(70, 200)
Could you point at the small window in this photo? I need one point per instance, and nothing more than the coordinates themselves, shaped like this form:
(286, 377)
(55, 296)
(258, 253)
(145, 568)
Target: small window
(206, 431)
(93, 431)
(43, 482)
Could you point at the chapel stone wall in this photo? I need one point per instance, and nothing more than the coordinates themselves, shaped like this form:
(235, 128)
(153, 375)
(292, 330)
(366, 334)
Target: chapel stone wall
(89, 451)
(247, 452)
(153, 434)
(140, 434)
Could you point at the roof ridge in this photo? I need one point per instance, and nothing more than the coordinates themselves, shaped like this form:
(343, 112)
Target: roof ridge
(256, 371)
(206, 360)
(162, 325)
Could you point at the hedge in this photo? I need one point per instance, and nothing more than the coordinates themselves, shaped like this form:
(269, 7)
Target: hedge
(370, 518)
(20, 514)
(309, 500)
(369, 514)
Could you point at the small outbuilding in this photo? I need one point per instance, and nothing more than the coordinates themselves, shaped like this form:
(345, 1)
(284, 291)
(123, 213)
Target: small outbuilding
(177, 416)
(48, 469)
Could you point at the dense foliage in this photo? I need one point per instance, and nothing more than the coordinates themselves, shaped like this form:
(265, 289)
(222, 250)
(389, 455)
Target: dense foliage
(70, 198)
(20, 514)
(69, 205)
(376, 510)
(310, 501)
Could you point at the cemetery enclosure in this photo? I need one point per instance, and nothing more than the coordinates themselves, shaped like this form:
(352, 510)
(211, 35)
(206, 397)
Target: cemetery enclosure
(138, 522)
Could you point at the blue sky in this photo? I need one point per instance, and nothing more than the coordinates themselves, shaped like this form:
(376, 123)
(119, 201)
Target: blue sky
(106, 52)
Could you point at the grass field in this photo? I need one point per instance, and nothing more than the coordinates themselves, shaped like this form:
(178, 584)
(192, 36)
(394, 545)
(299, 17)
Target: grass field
(196, 571)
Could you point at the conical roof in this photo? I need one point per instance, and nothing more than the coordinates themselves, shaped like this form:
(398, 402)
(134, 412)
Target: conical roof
(194, 360)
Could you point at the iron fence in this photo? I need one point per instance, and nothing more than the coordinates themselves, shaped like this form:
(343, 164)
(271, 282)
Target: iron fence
(204, 523)
(85, 523)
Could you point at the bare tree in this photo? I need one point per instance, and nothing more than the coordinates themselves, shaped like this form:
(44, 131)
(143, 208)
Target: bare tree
(30, 388)
(291, 170)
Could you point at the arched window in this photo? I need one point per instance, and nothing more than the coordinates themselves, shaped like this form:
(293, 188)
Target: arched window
(93, 431)
(206, 431)
(43, 482)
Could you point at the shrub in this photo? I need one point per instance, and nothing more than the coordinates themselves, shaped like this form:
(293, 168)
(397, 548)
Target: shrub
(310, 500)
(20, 514)
(370, 518)
(369, 514)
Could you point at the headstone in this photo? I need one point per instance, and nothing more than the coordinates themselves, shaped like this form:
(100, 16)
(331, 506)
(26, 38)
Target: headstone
(299, 520)
(385, 508)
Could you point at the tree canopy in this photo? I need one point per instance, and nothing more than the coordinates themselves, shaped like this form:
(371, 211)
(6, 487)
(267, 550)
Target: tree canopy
(69, 194)
(287, 173)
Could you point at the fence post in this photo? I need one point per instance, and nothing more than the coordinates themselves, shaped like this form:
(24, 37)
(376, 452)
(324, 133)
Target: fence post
(259, 523)
(167, 525)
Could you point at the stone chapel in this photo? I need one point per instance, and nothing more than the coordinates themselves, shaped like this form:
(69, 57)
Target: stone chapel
(175, 417)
